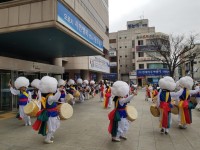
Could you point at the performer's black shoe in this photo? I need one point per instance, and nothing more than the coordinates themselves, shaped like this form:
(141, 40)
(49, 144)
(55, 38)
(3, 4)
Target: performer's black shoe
(162, 131)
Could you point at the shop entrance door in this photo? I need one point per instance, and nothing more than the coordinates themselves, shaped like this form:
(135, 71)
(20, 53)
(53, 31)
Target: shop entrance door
(5, 94)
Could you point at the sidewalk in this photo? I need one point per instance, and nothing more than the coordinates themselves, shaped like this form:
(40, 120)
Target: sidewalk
(87, 130)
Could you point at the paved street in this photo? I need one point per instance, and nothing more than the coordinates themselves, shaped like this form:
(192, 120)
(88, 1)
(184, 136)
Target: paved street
(87, 130)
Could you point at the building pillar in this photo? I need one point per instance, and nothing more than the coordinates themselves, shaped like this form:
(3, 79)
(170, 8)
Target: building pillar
(85, 74)
(99, 77)
(58, 62)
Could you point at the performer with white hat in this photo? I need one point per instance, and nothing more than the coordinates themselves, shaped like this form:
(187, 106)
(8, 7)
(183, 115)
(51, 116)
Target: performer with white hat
(71, 89)
(48, 117)
(101, 90)
(119, 126)
(92, 87)
(80, 89)
(166, 84)
(198, 95)
(61, 85)
(87, 89)
(107, 97)
(185, 106)
(36, 94)
(21, 85)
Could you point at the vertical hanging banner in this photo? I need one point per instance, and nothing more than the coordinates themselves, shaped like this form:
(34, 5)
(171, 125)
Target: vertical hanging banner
(68, 19)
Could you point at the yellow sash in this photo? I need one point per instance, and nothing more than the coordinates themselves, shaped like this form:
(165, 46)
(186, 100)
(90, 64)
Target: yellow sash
(180, 105)
(44, 99)
(26, 94)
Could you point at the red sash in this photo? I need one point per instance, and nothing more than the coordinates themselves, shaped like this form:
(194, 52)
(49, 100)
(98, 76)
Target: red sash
(166, 109)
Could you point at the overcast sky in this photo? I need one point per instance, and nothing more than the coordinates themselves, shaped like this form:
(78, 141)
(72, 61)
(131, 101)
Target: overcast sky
(167, 16)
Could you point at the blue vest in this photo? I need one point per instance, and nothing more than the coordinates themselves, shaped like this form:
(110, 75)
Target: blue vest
(23, 99)
(183, 95)
(62, 94)
(52, 111)
(121, 110)
(163, 95)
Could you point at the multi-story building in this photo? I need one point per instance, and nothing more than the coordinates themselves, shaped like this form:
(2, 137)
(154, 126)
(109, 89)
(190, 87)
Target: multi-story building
(112, 76)
(36, 36)
(192, 66)
(132, 44)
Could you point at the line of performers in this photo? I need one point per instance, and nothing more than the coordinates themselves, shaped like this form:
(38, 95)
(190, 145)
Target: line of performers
(177, 95)
(47, 94)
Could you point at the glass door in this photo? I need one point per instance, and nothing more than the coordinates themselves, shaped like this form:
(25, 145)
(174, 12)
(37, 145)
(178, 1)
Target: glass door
(5, 94)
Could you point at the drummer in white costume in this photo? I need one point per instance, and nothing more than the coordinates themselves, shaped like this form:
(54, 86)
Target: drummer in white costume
(198, 95)
(120, 89)
(71, 89)
(48, 86)
(185, 117)
(92, 85)
(87, 89)
(61, 85)
(36, 94)
(21, 85)
(80, 89)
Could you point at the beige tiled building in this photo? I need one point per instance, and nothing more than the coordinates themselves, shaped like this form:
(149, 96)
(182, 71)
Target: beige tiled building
(38, 36)
(186, 68)
(131, 45)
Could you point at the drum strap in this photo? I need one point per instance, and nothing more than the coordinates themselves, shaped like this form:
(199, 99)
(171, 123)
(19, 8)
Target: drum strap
(122, 109)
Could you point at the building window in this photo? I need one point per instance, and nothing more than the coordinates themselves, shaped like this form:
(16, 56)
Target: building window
(112, 41)
(125, 55)
(120, 47)
(141, 66)
(120, 65)
(126, 66)
(119, 37)
(120, 56)
(125, 37)
(140, 42)
(140, 54)
(125, 46)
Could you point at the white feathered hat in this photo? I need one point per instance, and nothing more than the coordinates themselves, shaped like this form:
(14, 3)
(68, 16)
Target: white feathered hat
(120, 88)
(61, 82)
(21, 82)
(186, 82)
(79, 81)
(35, 83)
(167, 83)
(92, 82)
(86, 81)
(71, 82)
(178, 86)
(48, 85)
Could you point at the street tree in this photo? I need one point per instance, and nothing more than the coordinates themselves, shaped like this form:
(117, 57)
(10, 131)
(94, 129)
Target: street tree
(174, 51)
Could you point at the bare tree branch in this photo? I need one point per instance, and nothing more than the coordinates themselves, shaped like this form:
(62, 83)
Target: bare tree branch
(175, 51)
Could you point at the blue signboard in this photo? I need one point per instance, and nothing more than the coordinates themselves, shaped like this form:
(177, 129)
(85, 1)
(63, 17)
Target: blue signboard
(110, 76)
(68, 19)
(152, 72)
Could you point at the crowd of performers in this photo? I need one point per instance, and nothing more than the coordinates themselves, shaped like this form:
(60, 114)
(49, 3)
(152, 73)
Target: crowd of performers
(170, 95)
(47, 93)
